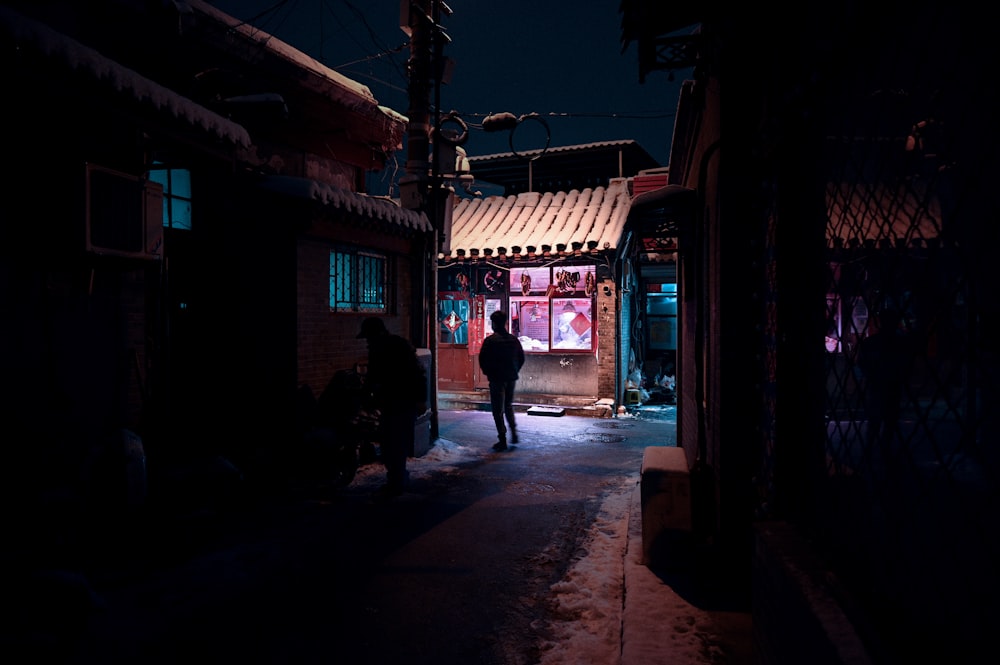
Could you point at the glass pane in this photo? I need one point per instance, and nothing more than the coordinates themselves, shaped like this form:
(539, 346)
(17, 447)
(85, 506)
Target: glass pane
(340, 281)
(530, 322)
(371, 282)
(530, 281)
(180, 183)
(575, 281)
(160, 176)
(453, 321)
(493, 281)
(180, 213)
(572, 326)
(662, 332)
(492, 305)
(455, 279)
(661, 304)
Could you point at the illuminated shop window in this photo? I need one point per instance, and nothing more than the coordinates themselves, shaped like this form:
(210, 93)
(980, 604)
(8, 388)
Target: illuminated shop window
(572, 324)
(549, 308)
(530, 322)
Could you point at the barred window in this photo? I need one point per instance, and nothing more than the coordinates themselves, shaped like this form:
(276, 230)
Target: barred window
(359, 282)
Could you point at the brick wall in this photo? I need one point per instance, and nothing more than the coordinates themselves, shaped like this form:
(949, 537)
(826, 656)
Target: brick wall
(554, 374)
(326, 340)
(607, 339)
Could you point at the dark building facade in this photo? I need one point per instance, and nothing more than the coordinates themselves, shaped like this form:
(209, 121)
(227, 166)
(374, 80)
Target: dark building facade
(839, 170)
(185, 246)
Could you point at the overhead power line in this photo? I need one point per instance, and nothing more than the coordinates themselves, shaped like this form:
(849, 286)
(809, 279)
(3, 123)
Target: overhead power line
(376, 56)
(625, 115)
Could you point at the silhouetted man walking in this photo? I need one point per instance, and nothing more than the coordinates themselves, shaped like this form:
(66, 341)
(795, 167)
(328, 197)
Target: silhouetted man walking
(501, 358)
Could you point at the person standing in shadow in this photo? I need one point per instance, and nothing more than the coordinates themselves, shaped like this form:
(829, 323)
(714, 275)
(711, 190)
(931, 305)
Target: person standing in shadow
(501, 358)
(394, 382)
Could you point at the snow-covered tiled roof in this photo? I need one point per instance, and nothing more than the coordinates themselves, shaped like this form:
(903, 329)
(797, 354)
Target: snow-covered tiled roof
(362, 205)
(533, 224)
(339, 87)
(323, 80)
(30, 33)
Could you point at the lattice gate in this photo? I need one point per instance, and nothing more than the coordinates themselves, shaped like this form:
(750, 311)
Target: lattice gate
(907, 500)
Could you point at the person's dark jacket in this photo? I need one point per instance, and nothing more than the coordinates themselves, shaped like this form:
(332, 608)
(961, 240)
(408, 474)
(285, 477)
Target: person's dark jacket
(395, 376)
(501, 357)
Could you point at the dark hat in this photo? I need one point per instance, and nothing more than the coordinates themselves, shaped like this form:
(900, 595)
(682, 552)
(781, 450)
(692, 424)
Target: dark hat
(372, 327)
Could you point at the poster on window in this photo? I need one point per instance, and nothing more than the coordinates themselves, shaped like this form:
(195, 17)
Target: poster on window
(492, 281)
(572, 324)
(530, 281)
(530, 321)
(455, 279)
(476, 324)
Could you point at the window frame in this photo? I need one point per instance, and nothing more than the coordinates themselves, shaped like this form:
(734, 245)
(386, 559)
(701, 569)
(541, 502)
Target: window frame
(171, 199)
(545, 288)
(357, 301)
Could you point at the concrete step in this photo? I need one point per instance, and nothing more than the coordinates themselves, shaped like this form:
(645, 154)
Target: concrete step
(572, 405)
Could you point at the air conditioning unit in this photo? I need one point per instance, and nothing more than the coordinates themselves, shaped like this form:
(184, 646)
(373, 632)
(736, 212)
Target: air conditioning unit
(123, 214)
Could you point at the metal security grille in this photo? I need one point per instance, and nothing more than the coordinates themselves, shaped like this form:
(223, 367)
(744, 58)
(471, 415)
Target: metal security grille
(906, 500)
(358, 282)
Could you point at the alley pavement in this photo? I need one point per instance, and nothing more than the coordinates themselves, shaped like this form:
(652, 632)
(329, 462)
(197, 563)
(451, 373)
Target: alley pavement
(665, 616)
(687, 615)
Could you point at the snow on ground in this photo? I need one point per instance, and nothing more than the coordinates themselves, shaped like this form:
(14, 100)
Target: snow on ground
(610, 608)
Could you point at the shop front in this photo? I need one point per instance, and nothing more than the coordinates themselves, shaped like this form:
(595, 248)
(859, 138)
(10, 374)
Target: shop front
(550, 309)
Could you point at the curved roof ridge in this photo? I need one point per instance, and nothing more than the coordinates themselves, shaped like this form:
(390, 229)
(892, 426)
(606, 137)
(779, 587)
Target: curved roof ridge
(484, 233)
(590, 218)
(464, 228)
(588, 222)
(554, 215)
(549, 201)
(572, 221)
(617, 203)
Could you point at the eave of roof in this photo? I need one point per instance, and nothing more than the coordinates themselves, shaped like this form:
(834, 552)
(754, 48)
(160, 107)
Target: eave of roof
(26, 32)
(361, 205)
(532, 225)
(314, 75)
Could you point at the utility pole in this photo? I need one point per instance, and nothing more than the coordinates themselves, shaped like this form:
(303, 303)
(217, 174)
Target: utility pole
(415, 20)
(426, 68)
(420, 188)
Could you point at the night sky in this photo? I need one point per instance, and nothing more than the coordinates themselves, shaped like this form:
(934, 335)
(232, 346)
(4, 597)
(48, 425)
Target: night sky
(560, 59)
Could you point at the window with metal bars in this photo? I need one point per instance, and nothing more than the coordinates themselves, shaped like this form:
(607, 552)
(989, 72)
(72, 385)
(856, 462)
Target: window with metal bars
(359, 282)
